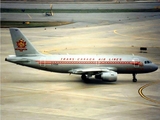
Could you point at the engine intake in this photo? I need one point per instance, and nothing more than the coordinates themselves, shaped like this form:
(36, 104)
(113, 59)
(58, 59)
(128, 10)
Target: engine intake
(110, 76)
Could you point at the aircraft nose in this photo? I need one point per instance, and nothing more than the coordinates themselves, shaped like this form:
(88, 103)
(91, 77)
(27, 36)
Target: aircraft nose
(155, 67)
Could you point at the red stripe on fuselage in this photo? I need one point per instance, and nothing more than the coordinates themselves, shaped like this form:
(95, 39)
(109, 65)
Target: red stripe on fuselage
(88, 62)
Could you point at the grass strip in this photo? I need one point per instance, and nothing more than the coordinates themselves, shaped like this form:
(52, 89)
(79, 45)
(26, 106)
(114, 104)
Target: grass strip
(21, 24)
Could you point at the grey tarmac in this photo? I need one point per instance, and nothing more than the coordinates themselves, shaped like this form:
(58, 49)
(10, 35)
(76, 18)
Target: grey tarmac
(27, 93)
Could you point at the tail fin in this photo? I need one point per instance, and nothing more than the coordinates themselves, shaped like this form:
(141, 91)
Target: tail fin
(21, 44)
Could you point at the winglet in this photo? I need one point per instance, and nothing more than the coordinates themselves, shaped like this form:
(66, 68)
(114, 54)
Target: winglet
(21, 44)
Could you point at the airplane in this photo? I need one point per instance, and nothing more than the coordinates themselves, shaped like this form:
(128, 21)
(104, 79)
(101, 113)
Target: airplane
(101, 67)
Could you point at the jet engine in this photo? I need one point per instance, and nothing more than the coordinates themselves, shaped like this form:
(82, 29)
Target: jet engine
(110, 76)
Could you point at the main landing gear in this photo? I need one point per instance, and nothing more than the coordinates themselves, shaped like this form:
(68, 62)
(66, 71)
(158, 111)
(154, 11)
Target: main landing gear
(134, 77)
(85, 78)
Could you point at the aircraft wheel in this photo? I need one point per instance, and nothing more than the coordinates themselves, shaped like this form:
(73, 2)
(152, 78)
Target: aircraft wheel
(85, 78)
(134, 80)
(134, 77)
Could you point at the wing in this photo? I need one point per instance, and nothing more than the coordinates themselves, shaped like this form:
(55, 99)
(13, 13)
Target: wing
(91, 71)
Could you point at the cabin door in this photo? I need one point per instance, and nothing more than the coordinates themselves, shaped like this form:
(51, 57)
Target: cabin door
(135, 62)
(42, 62)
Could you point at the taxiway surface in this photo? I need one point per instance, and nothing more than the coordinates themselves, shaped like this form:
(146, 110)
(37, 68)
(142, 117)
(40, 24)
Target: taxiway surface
(27, 93)
(132, 5)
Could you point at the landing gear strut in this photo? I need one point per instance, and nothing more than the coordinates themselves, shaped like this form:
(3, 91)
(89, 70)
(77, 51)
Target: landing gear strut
(134, 77)
(85, 78)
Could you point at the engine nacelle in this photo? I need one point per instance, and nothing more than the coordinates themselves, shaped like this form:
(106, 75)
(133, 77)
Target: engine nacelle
(110, 76)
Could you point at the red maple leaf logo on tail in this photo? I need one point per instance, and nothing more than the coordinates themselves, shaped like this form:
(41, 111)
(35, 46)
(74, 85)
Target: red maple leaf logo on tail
(21, 45)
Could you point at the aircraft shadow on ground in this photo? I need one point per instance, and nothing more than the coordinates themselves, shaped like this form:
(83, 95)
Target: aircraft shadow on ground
(77, 80)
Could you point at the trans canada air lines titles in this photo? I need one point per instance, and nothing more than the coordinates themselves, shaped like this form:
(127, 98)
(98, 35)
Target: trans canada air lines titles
(91, 59)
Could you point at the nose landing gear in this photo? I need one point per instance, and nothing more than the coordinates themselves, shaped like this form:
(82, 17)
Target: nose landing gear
(134, 77)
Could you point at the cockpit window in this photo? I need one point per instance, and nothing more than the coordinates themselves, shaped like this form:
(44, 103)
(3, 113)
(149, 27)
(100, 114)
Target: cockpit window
(147, 62)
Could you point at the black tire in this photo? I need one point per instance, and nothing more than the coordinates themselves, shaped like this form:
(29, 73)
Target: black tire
(134, 80)
(85, 78)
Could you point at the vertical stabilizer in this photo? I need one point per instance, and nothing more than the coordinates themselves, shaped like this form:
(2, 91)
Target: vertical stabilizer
(21, 44)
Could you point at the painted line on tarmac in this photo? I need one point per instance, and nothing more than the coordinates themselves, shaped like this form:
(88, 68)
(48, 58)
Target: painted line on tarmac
(31, 91)
(144, 96)
(102, 98)
(64, 92)
(37, 91)
(117, 33)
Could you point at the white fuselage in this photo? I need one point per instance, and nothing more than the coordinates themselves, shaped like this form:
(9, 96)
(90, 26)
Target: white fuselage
(64, 63)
